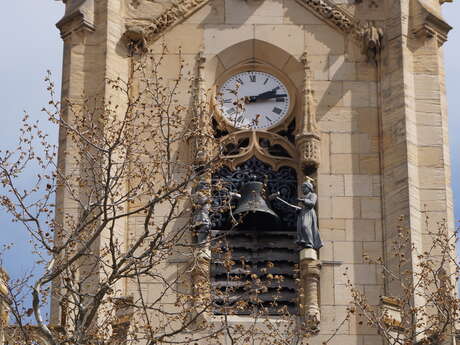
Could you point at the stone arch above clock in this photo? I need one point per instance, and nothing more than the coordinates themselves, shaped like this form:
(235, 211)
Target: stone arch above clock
(259, 52)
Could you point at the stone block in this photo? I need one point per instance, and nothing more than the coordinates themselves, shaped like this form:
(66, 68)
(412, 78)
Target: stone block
(332, 317)
(373, 249)
(360, 230)
(346, 207)
(373, 293)
(429, 135)
(340, 69)
(378, 230)
(327, 251)
(323, 40)
(348, 252)
(358, 185)
(368, 121)
(211, 13)
(338, 120)
(325, 164)
(328, 94)
(343, 143)
(430, 156)
(332, 224)
(319, 66)
(359, 94)
(432, 178)
(254, 12)
(366, 71)
(325, 207)
(188, 38)
(345, 163)
(358, 325)
(331, 185)
(427, 87)
(373, 340)
(297, 14)
(287, 37)
(326, 285)
(350, 143)
(220, 37)
(371, 208)
(376, 185)
(332, 234)
(357, 273)
(369, 164)
(341, 339)
(433, 200)
(342, 294)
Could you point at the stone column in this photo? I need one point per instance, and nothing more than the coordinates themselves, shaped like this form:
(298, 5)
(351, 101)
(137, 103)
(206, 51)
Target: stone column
(310, 268)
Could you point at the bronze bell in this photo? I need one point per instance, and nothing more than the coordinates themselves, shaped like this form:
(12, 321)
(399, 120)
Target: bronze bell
(254, 207)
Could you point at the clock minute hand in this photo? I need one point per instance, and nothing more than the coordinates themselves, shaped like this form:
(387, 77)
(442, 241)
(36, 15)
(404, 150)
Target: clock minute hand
(266, 95)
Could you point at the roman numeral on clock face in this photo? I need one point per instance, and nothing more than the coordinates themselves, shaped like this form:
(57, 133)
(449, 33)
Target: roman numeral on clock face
(277, 110)
(252, 78)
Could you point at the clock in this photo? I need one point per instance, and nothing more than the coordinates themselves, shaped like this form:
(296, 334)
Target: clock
(253, 100)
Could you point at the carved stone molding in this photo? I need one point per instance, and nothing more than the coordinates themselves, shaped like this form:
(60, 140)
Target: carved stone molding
(324, 9)
(431, 25)
(258, 144)
(174, 15)
(335, 16)
(79, 14)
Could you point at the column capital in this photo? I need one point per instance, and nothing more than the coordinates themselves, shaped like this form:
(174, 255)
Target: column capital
(79, 14)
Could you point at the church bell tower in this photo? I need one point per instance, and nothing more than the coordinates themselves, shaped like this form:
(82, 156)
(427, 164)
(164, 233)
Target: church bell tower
(328, 123)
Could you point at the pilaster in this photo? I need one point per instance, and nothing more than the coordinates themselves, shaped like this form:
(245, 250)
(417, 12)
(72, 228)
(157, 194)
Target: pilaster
(414, 157)
(91, 31)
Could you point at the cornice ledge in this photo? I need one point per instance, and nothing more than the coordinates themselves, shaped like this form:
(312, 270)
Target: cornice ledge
(432, 25)
(149, 31)
(79, 14)
(335, 16)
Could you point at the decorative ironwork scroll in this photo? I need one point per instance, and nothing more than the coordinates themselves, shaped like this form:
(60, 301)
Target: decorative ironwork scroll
(226, 181)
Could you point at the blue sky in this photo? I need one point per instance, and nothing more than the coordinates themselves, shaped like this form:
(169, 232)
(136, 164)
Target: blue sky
(31, 45)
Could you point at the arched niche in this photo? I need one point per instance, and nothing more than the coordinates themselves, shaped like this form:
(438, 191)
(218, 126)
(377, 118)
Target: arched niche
(254, 51)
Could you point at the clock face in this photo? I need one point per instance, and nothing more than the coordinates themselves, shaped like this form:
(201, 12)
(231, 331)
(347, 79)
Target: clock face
(253, 100)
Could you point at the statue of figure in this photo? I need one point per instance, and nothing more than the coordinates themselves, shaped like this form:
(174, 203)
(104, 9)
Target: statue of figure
(307, 222)
(372, 42)
(201, 222)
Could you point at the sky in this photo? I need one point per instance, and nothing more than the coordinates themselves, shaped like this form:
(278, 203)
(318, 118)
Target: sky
(31, 46)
